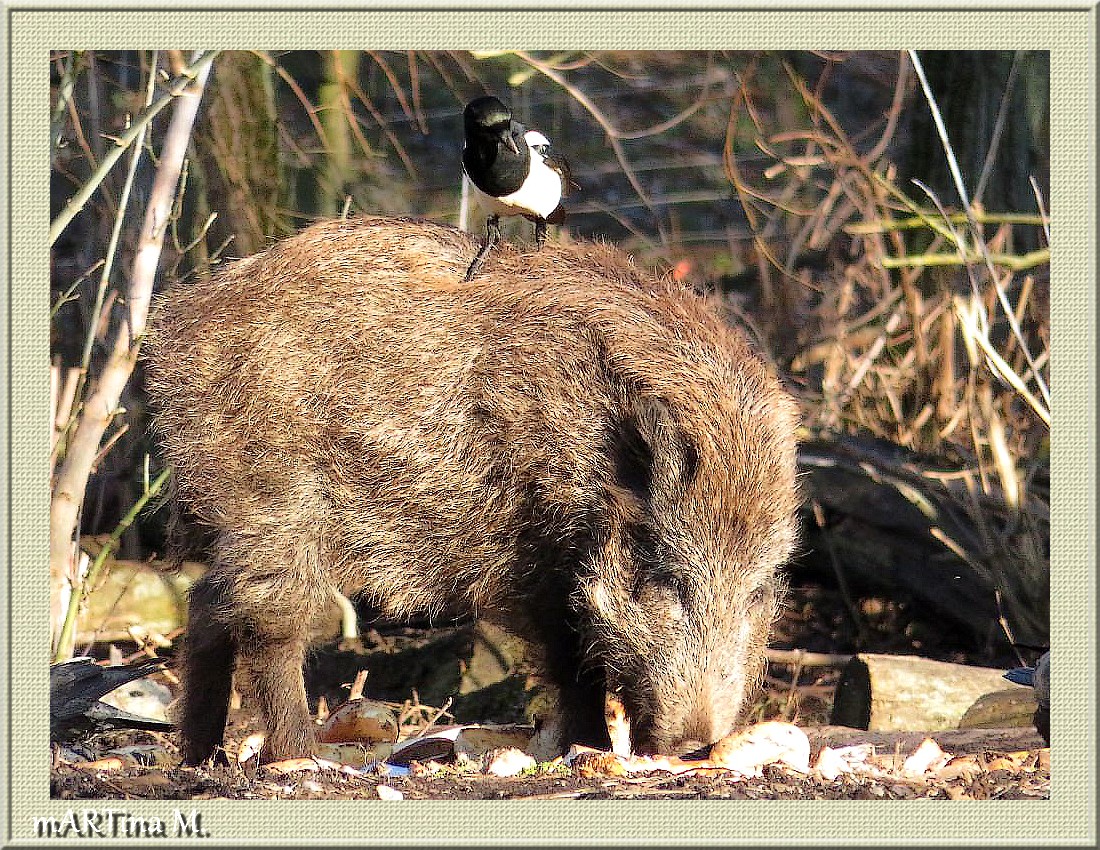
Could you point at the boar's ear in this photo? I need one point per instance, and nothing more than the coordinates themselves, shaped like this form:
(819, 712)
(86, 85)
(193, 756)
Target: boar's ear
(647, 437)
(632, 456)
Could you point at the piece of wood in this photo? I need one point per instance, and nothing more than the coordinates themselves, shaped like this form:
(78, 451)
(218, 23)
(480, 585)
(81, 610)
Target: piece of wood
(1014, 706)
(898, 692)
(956, 741)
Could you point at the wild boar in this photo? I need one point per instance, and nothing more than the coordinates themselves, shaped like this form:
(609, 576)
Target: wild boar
(566, 446)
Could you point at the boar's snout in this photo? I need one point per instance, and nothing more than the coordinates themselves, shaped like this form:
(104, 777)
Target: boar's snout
(688, 687)
(691, 720)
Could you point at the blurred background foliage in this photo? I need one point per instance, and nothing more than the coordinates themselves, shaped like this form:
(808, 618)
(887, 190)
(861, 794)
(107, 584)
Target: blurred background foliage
(809, 193)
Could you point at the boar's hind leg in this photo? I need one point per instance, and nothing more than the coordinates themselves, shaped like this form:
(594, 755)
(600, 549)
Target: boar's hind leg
(278, 592)
(208, 653)
(276, 610)
(271, 657)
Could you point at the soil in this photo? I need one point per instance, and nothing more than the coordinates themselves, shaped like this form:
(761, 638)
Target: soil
(461, 674)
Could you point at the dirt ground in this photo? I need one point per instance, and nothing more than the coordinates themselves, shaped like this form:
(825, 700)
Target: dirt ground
(432, 677)
(1005, 764)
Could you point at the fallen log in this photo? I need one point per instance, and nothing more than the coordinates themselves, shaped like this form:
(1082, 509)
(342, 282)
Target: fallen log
(900, 692)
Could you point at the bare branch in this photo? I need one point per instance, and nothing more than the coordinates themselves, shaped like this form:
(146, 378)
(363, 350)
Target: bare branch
(200, 67)
(101, 407)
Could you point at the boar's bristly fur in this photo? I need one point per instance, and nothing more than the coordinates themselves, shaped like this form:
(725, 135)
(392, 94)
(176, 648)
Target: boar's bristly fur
(584, 454)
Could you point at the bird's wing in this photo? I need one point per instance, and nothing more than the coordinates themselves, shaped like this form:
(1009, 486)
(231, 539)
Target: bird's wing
(72, 724)
(560, 164)
(84, 679)
(68, 674)
(108, 714)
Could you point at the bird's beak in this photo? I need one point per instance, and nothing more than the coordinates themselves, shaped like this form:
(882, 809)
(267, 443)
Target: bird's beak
(506, 137)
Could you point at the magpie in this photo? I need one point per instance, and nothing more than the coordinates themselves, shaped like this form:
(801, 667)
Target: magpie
(513, 171)
(1037, 677)
(75, 708)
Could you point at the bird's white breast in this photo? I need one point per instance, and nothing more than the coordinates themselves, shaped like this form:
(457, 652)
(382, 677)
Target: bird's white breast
(539, 195)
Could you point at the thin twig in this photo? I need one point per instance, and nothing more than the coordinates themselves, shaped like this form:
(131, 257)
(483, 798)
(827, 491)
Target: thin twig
(1042, 209)
(998, 128)
(177, 88)
(435, 717)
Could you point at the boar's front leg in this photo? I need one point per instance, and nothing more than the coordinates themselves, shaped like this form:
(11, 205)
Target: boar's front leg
(581, 681)
(581, 707)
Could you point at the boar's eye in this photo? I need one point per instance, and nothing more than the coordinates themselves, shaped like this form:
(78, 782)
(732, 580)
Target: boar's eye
(668, 599)
(663, 590)
(759, 597)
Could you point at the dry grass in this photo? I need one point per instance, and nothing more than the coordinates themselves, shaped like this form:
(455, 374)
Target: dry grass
(925, 329)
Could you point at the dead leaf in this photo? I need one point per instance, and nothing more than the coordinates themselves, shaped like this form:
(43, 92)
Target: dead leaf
(958, 792)
(144, 755)
(113, 763)
(292, 766)
(961, 767)
(831, 763)
(669, 764)
(599, 763)
(385, 792)
(474, 741)
(928, 756)
(355, 754)
(250, 747)
(748, 751)
(508, 762)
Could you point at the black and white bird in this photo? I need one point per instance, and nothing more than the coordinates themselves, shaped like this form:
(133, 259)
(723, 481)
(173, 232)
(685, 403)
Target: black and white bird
(1037, 677)
(513, 171)
(75, 708)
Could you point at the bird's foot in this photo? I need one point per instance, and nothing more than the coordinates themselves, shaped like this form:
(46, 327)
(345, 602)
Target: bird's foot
(479, 261)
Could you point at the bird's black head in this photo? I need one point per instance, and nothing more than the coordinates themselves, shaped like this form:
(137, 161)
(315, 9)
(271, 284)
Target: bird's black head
(488, 117)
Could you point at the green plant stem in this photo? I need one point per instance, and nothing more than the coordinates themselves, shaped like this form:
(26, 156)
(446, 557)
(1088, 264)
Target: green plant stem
(77, 202)
(1016, 262)
(80, 592)
(864, 228)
